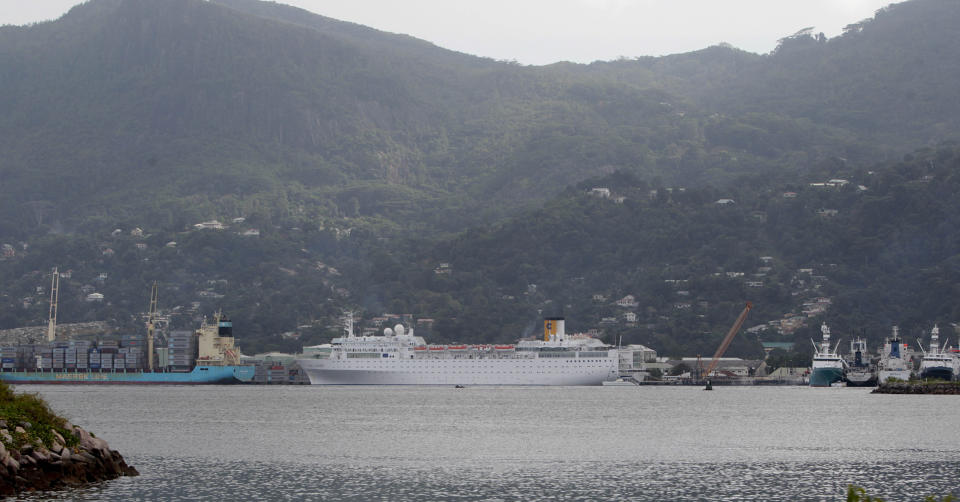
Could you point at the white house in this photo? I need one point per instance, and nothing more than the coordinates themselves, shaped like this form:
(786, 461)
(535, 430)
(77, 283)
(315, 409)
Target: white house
(209, 225)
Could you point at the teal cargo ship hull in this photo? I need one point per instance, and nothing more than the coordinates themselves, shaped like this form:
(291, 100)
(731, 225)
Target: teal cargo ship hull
(199, 375)
(824, 377)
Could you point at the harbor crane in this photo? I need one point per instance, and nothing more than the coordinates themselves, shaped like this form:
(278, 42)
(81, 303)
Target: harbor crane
(151, 320)
(726, 341)
(54, 295)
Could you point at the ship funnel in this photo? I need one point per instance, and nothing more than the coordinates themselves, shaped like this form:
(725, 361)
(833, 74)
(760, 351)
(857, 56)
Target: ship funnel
(224, 327)
(553, 329)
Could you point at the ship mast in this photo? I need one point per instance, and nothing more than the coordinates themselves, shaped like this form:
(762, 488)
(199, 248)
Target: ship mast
(151, 318)
(348, 324)
(54, 294)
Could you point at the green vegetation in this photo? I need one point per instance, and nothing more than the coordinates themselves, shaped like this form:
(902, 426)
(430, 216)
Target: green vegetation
(858, 494)
(33, 414)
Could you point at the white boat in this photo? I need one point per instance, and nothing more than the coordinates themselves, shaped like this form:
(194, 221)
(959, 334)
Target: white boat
(398, 357)
(893, 364)
(827, 365)
(619, 383)
(937, 363)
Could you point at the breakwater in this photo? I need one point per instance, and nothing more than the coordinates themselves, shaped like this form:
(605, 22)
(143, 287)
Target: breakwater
(941, 388)
(75, 460)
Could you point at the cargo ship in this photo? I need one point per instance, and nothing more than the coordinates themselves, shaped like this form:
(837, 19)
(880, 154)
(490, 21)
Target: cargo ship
(205, 356)
(827, 365)
(893, 361)
(398, 357)
(860, 371)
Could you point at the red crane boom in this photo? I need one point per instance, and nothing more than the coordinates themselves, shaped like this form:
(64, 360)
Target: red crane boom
(726, 341)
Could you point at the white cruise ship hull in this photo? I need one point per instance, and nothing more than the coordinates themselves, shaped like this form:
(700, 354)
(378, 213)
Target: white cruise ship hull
(478, 371)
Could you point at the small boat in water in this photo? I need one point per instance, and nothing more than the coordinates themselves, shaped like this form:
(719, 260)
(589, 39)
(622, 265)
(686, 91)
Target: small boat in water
(618, 383)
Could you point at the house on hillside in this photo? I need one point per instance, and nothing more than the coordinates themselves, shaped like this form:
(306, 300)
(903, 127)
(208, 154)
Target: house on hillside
(600, 192)
(209, 225)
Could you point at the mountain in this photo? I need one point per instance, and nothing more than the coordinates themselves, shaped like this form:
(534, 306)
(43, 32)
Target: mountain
(863, 251)
(354, 160)
(887, 78)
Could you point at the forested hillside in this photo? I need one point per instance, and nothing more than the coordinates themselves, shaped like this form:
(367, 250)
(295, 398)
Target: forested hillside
(356, 168)
(882, 245)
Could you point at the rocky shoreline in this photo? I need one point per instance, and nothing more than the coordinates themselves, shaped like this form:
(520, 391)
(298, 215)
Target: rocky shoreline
(938, 388)
(76, 460)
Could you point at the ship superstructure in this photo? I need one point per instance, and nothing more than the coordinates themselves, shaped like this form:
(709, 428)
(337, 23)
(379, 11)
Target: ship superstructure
(937, 363)
(893, 360)
(398, 357)
(827, 364)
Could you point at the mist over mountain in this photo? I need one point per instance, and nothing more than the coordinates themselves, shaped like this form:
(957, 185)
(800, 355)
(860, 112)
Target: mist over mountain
(375, 154)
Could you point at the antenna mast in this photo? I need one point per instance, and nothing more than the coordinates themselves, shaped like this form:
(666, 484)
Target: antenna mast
(54, 294)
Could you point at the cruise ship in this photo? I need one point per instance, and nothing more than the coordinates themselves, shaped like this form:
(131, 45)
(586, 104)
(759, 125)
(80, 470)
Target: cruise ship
(398, 357)
(827, 365)
(893, 363)
(937, 364)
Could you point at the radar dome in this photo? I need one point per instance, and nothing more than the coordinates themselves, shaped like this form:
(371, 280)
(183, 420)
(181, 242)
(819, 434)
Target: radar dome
(388, 332)
(398, 329)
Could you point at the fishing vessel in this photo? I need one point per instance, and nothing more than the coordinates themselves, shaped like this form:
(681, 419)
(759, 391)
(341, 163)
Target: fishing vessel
(827, 365)
(893, 362)
(206, 356)
(937, 363)
(398, 357)
(860, 371)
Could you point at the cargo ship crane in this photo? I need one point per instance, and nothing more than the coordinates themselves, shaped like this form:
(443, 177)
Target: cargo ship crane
(54, 294)
(151, 319)
(726, 341)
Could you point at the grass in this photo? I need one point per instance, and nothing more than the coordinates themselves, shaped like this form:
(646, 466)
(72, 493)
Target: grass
(18, 409)
(858, 494)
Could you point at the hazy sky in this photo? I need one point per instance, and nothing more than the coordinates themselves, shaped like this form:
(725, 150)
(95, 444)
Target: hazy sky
(546, 31)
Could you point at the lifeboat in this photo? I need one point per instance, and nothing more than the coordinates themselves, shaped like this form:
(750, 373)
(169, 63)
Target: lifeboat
(437, 347)
(457, 347)
(420, 347)
(503, 347)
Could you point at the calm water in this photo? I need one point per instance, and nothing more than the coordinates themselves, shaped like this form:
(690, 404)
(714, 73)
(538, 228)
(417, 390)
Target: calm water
(518, 443)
